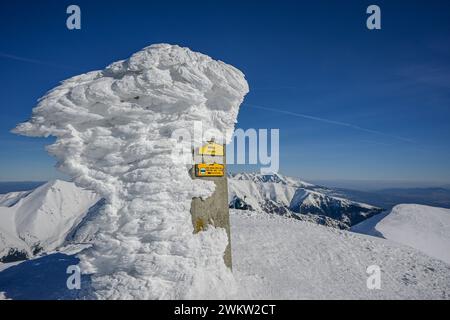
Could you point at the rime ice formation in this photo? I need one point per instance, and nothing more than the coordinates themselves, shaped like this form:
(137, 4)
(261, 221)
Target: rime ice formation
(113, 130)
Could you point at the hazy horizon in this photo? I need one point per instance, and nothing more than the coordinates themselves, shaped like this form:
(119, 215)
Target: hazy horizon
(360, 185)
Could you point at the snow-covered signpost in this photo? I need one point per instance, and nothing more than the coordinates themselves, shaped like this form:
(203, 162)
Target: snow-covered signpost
(113, 132)
(210, 165)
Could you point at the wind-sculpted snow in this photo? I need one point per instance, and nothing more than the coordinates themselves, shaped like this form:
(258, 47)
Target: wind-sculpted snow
(114, 135)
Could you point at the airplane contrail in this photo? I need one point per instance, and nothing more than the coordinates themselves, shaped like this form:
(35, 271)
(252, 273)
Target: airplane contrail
(34, 61)
(301, 115)
(338, 123)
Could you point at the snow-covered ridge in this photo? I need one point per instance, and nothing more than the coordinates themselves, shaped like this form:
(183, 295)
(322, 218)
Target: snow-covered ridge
(422, 227)
(274, 178)
(290, 196)
(38, 220)
(11, 198)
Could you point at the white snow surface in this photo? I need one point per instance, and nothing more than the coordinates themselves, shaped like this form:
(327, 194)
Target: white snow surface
(41, 218)
(113, 130)
(280, 258)
(422, 227)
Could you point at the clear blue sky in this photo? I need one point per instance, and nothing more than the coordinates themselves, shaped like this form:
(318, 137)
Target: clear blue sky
(383, 96)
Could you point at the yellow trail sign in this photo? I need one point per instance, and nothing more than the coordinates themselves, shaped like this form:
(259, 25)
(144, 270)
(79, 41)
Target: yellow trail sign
(209, 170)
(211, 149)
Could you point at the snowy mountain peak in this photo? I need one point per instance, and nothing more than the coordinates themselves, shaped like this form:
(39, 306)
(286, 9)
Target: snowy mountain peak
(38, 220)
(292, 197)
(48, 190)
(269, 178)
(57, 183)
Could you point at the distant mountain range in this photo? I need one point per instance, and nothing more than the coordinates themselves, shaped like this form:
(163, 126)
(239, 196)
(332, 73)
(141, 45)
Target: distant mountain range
(388, 198)
(278, 194)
